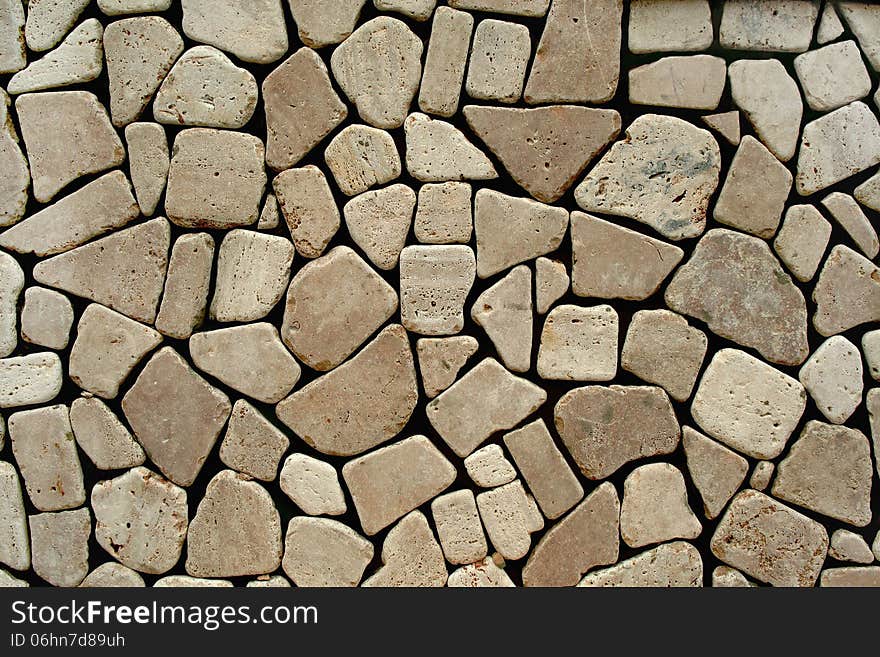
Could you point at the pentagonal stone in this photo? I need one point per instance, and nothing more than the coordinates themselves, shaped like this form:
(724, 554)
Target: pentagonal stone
(488, 467)
(252, 444)
(434, 283)
(499, 57)
(313, 485)
(411, 556)
(847, 293)
(325, 22)
(252, 30)
(360, 157)
(31, 379)
(676, 564)
(781, 25)
(694, 82)
(441, 359)
(664, 26)
(504, 511)
(445, 61)
(551, 283)
(305, 200)
(504, 311)
(15, 549)
(101, 435)
(112, 574)
(833, 377)
(802, 240)
(832, 76)
(148, 160)
(12, 41)
(458, 527)
(579, 344)
(186, 288)
(849, 546)
(48, 21)
(444, 214)
(716, 471)
(655, 507)
(852, 219)
(438, 151)
(324, 552)
(483, 573)
(60, 546)
(11, 284)
(379, 221)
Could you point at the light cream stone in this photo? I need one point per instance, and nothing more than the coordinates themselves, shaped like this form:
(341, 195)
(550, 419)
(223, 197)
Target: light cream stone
(852, 219)
(2, 432)
(441, 359)
(434, 283)
(269, 582)
(252, 444)
(101, 435)
(324, 552)
(325, 22)
(830, 26)
(445, 61)
(861, 577)
(488, 467)
(270, 214)
(313, 486)
(12, 42)
(505, 515)
(691, 82)
(11, 284)
(79, 59)
(17, 178)
(141, 519)
(117, 7)
(148, 160)
(802, 240)
(498, 61)
(864, 21)
(444, 213)
(871, 352)
(504, 312)
(30, 379)
(875, 548)
(671, 565)
(655, 507)
(833, 377)
(579, 344)
(183, 581)
(252, 30)
(761, 475)
(551, 283)
(361, 157)
(459, 528)
(379, 221)
(112, 574)
(530, 8)
(847, 293)
(49, 20)
(419, 10)
(664, 25)
(725, 124)
(776, 26)
(60, 546)
(716, 471)
(186, 288)
(15, 550)
(726, 577)
(483, 573)
(411, 556)
(832, 76)
(849, 546)
(438, 151)
(309, 209)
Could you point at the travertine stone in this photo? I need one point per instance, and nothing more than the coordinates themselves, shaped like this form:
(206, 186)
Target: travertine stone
(864, 20)
(12, 43)
(504, 312)
(445, 61)
(830, 26)
(664, 25)
(531, 8)
(754, 192)
(579, 344)
(441, 359)
(205, 88)
(847, 293)
(117, 7)
(309, 210)
(31, 379)
(499, 58)
(693, 82)
(48, 121)
(313, 486)
(411, 556)
(578, 57)
(504, 511)
(850, 216)
(253, 270)
(434, 283)
(140, 51)
(511, 230)
(671, 565)
(101, 435)
(662, 174)
(551, 283)
(438, 151)
(252, 444)
(776, 26)
(871, 352)
(236, 530)
(141, 519)
(747, 404)
(325, 22)
(2, 432)
(849, 546)
(186, 289)
(148, 161)
(762, 474)
(444, 214)
(269, 582)
(716, 471)
(727, 577)
(324, 552)
(861, 577)
(49, 20)
(45, 450)
(802, 240)
(11, 284)
(361, 157)
(360, 404)
(193, 413)
(379, 221)
(663, 349)
(832, 76)
(252, 30)
(333, 305)
(15, 549)
(734, 283)
(60, 546)
(459, 528)
(833, 377)
(419, 10)
(79, 58)
(270, 214)
(484, 573)
(379, 67)
(205, 165)
(605, 427)
(655, 507)
(107, 348)
(184, 581)
(301, 106)
(112, 574)
(250, 359)
(16, 176)
(725, 124)
(770, 541)
(488, 467)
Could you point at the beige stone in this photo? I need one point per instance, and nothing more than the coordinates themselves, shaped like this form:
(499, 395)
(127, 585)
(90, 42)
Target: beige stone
(832, 76)
(871, 352)
(60, 546)
(488, 467)
(852, 219)
(12, 42)
(847, 293)
(269, 582)
(324, 552)
(802, 240)
(604, 428)
(117, 7)
(49, 20)
(17, 178)
(861, 577)
(776, 26)
(445, 61)
(148, 161)
(504, 511)
(325, 22)
(360, 157)
(441, 359)
(530, 8)
(864, 21)
(184, 581)
(309, 210)
(725, 124)
(726, 577)
(185, 298)
(15, 550)
(655, 507)
(313, 485)
(270, 214)
(459, 528)
(252, 444)
(444, 214)
(664, 25)
(30, 379)
(378, 221)
(411, 556)
(438, 151)
(112, 574)
(499, 57)
(551, 283)
(830, 26)
(434, 283)
(504, 312)
(671, 565)
(691, 82)
(833, 377)
(484, 573)
(579, 344)
(79, 59)
(849, 546)
(419, 10)
(11, 284)
(252, 30)
(762, 474)
(101, 435)
(716, 471)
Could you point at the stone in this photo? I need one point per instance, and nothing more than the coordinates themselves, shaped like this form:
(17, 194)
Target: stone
(107, 348)
(655, 507)
(613, 262)
(11, 285)
(488, 467)
(833, 377)
(313, 486)
(361, 157)
(204, 88)
(441, 359)
(411, 556)
(15, 550)
(875, 548)
(444, 214)
(747, 404)
(437, 151)
(49, 20)
(183, 581)
(761, 475)
(252, 444)
(309, 210)
(252, 30)
(551, 283)
(852, 219)
(17, 178)
(511, 230)
(754, 192)
(663, 26)
(434, 284)
(419, 10)
(205, 165)
(101, 435)
(778, 26)
(770, 541)
(60, 546)
(301, 107)
(362, 403)
(662, 174)
(253, 271)
(445, 61)
(117, 7)
(578, 56)
(499, 57)
(30, 379)
(324, 552)
(459, 528)
(236, 530)
(12, 41)
(269, 582)
(851, 577)
(139, 51)
(270, 214)
(250, 359)
(378, 68)
(148, 160)
(871, 352)
(484, 573)
(716, 471)
(185, 298)
(193, 413)
(579, 344)
(112, 574)
(691, 82)
(504, 312)
(334, 304)
(735, 284)
(832, 76)
(836, 146)
(663, 349)
(2, 432)
(671, 565)
(802, 240)
(379, 222)
(725, 124)
(847, 293)
(325, 22)
(726, 577)
(849, 546)
(864, 21)
(504, 511)
(530, 8)
(141, 520)
(48, 121)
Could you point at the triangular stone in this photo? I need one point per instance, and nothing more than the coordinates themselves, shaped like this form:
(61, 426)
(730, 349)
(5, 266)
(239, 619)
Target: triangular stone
(148, 161)
(269, 216)
(438, 151)
(551, 283)
(379, 222)
(725, 124)
(716, 471)
(48, 22)
(16, 176)
(505, 313)
(830, 26)
(441, 359)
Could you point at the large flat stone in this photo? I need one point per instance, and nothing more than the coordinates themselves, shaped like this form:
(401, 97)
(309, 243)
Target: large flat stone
(498, 61)
(252, 444)
(802, 240)
(655, 507)
(847, 293)
(309, 210)
(684, 25)
(319, 552)
(780, 25)
(692, 82)
(379, 221)
(579, 344)
(360, 157)
(445, 61)
(252, 30)
(437, 151)
(325, 22)
(832, 76)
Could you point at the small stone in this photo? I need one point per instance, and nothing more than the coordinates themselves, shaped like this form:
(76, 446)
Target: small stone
(236, 530)
(579, 344)
(770, 541)
(12, 43)
(849, 546)
(664, 26)
(747, 404)
(504, 312)
(112, 574)
(325, 22)
(655, 507)
(411, 556)
(459, 527)
(60, 546)
(445, 61)
(301, 106)
(483, 573)
(488, 467)
(716, 471)
(551, 283)
(419, 10)
(531, 8)
(191, 417)
(871, 352)
(777, 26)
(434, 283)
(875, 548)
(761, 475)
(186, 288)
(379, 68)
(149, 160)
(830, 26)
(726, 577)
(671, 565)
(852, 219)
(324, 552)
(438, 151)
(252, 444)
(379, 222)
(441, 359)
(847, 293)
(832, 76)
(362, 403)
(16, 175)
(499, 58)
(250, 359)
(141, 519)
(252, 30)
(802, 240)
(117, 7)
(205, 165)
(101, 435)
(663, 349)
(833, 377)
(309, 209)
(444, 214)
(725, 124)
(15, 551)
(206, 89)
(11, 284)
(864, 21)
(313, 486)
(107, 348)
(183, 581)
(361, 157)
(30, 379)
(504, 511)
(694, 82)
(860, 577)
(268, 582)
(269, 215)
(49, 20)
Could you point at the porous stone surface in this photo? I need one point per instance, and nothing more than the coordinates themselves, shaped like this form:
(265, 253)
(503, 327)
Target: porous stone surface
(488, 467)
(504, 312)
(459, 528)
(832, 76)
(313, 485)
(12, 22)
(15, 550)
(849, 546)
(360, 157)
(499, 57)
(778, 26)
(32, 379)
(671, 565)
(252, 30)
(833, 377)
(551, 283)
(444, 214)
(60, 546)
(727, 577)
(579, 344)
(185, 297)
(410, 556)
(655, 507)
(148, 161)
(441, 359)
(379, 221)
(716, 471)
(505, 514)
(864, 22)
(861, 577)
(438, 151)
(252, 444)
(311, 214)
(102, 436)
(17, 179)
(46, 318)
(48, 21)
(117, 7)
(445, 61)
(325, 22)
(324, 552)
(484, 573)
(434, 283)
(847, 293)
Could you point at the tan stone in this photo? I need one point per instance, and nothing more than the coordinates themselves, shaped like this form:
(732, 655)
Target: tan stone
(46, 318)
(185, 298)
(441, 359)
(849, 546)
(459, 528)
(725, 124)
(361, 157)
(324, 552)
(671, 565)
(438, 151)
(30, 379)
(716, 471)
(419, 10)
(17, 178)
(762, 474)
(183, 581)
(871, 352)
(851, 577)
(60, 546)
(664, 25)
(12, 43)
(148, 160)
(49, 20)
(488, 467)
(445, 61)
(802, 240)
(692, 82)
(112, 574)
(551, 283)
(655, 507)
(726, 577)
(847, 293)
(411, 556)
(832, 76)
(830, 26)
(444, 214)
(833, 377)
(11, 284)
(484, 573)
(504, 511)
(116, 7)
(325, 22)
(504, 312)
(434, 283)
(252, 30)
(379, 221)
(309, 209)
(531, 8)
(15, 550)
(499, 57)
(579, 344)
(101, 435)
(852, 219)
(270, 214)
(269, 582)
(252, 444)
(313, 486)
(864, 21)
(777, 26)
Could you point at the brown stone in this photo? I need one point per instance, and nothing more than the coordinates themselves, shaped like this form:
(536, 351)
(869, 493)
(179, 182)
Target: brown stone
(498, 61)
(378, 221)
(309, 210)
(60, 546)
(441, 359)
(252, 30)
(15, 550)
(325, 22)
(579, 344)
(693, 82)
(459, 528)
(360, 157)
(434, 283)
(148, 161)
(444, 214)
(185, 298)
(101, 435)
(445, 61)
(655, 507)
(46, 318)
(252, 444)
(860, 577)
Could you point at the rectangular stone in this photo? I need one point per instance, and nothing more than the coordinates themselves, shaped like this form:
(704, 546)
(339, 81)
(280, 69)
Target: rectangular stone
(445, 62)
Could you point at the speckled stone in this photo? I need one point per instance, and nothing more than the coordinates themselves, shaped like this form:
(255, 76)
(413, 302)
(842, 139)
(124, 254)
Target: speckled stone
(49, 20)
(437, 151)
(11, 285)
(434, 283)
(551, 283)
(252, 444)
(12, 41)
(762, 474)
(325, 22)
(31, 379)
(871, 352)
(252, 30)
(861, 577)
(655, 507)
(148, 160)
(15, 549)
(484, 573)
(309, 210)
(833, 377)
(17, 178)
(270, 215)
(459, 528)
(444, 214)
(727, 577)
(324, 552)
(864, 21)
(441, 359)
(488, 467)
(498, 61)
(505, 514)
(313, 485)
(716, 471)
(101, 435)
(360, 157)
(847, 293)
(802, 240)
(378, 221)
(579, 344)
(60, 546)
(504, 312)
(849, 546)
(779, 25)
(671, 565)
(445, 61)
(411, 556)
(830, 26)
(185, 298)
